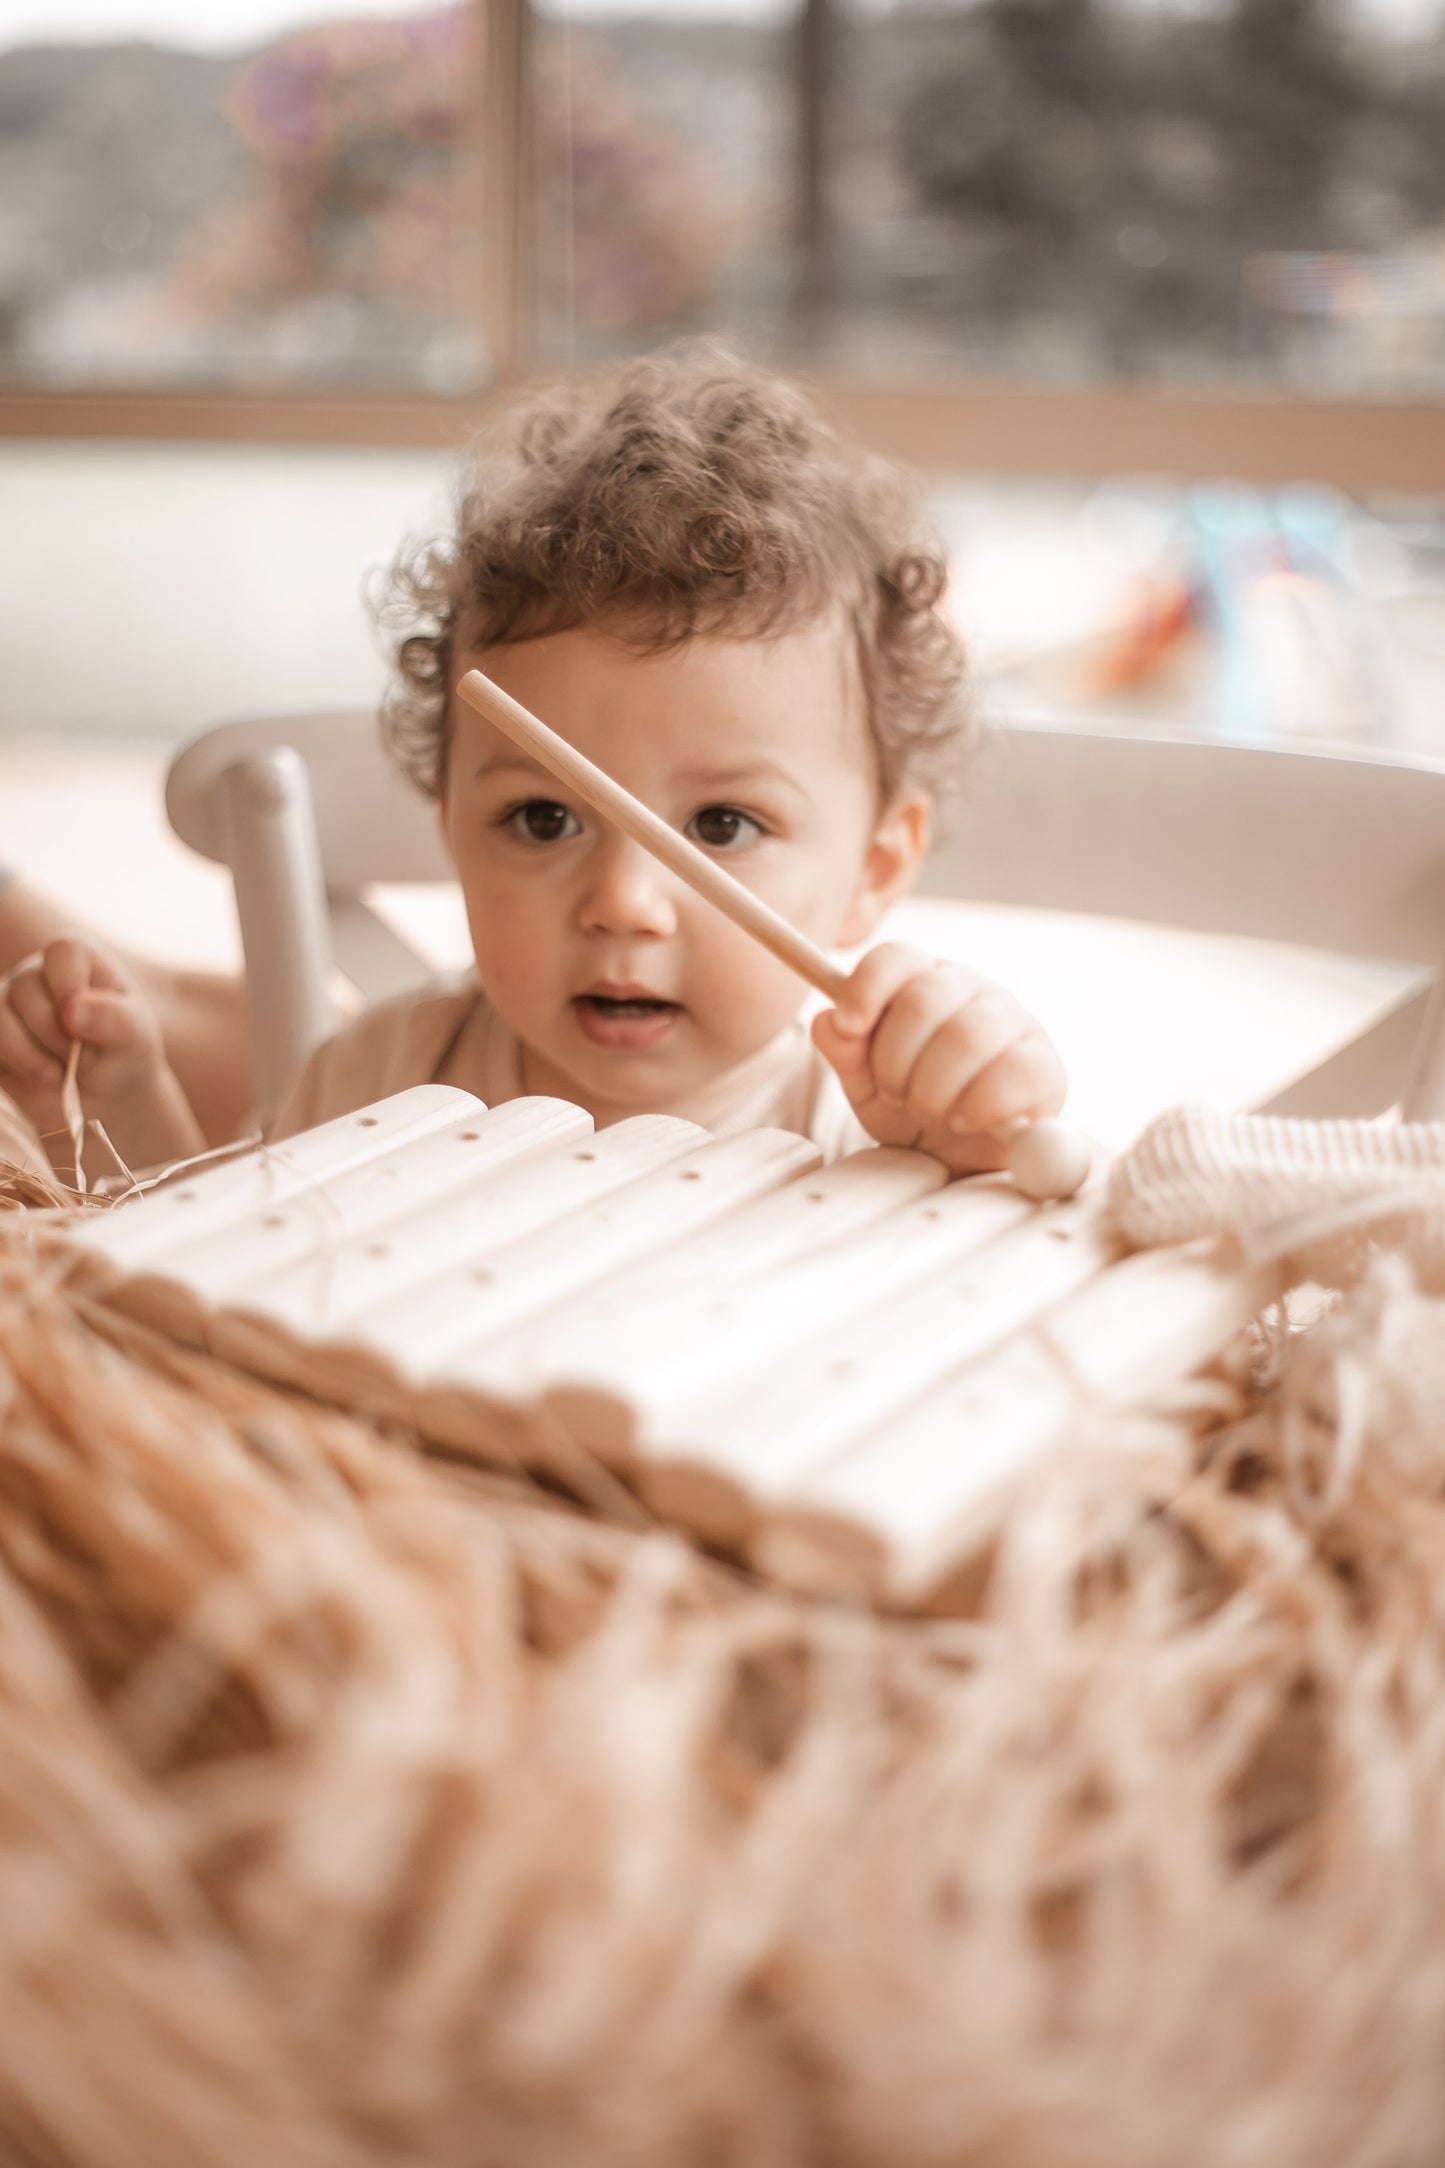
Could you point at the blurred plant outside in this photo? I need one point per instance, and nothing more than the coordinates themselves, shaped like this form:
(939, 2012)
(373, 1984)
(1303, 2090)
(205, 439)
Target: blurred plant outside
(1057, 189)
(325, 235)
(1067, 190)
(350, 128)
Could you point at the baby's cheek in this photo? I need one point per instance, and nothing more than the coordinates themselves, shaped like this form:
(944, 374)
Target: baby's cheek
(513, 952)
(744, 995)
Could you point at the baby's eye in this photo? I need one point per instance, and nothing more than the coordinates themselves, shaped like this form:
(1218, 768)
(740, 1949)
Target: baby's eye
(542, 820)
(723, 828)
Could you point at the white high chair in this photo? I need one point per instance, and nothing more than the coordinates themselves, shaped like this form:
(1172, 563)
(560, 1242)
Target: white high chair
(1327, 850)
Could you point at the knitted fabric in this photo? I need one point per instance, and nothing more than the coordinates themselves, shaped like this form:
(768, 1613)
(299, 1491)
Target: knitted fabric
(1325, 1195)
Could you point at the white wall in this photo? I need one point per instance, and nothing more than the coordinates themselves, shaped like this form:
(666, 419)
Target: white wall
(152, 589)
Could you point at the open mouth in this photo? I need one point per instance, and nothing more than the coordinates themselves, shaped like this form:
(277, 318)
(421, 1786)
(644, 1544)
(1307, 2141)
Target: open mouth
(629, 1019)
(625, 1004)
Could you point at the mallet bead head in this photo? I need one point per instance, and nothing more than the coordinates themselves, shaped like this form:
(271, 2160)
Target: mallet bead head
(1049, 1160)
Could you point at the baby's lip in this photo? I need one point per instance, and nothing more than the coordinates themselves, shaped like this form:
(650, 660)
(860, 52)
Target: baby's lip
(610, 990)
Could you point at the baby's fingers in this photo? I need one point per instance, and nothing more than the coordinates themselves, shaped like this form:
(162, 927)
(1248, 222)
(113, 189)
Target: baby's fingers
(23, 1057)
(74, 968)
(874, 981)
(32, 1004)
(930, 1060)
(111, 1022)
(1022, 1083)
(847, 1053)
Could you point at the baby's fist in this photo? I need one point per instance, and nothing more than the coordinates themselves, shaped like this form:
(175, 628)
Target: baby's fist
(72, 991)
(937, 1058)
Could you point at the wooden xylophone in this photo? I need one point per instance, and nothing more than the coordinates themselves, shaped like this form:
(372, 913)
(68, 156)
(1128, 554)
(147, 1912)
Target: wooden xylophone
(825, 1370)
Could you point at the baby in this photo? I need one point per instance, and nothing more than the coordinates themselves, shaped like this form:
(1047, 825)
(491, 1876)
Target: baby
(686, 573)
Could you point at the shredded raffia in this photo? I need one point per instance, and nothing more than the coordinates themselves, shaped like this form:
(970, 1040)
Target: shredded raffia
(74, 1113)
(357, 1807)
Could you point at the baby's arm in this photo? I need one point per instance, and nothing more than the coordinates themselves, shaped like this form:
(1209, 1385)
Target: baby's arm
(933, 1056)
(71, 991)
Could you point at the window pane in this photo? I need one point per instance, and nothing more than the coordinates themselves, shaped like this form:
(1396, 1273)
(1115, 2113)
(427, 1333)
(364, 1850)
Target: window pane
(1058, 190)
(665, 174)
(248, 192)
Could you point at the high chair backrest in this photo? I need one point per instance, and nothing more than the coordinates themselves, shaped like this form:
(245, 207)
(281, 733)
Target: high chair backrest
(307, 813)
(1328, 849)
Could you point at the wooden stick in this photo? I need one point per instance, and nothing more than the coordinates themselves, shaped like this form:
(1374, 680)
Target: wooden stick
(1046, 1159)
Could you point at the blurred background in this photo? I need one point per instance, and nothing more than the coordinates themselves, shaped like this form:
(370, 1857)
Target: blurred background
(1152, 290)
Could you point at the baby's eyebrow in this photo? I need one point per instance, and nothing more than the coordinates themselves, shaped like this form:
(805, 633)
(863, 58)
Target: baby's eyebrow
(731, 778)
(752, 771)
(507, 764)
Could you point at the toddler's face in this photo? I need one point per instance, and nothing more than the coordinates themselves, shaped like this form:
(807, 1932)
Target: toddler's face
(627, 991)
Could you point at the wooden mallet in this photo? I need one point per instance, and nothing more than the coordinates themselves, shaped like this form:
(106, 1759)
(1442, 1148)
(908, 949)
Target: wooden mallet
(1047, 1159)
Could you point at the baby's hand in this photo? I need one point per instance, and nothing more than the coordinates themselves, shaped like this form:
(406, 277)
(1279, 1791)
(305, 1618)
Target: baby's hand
(935, 1057)
(72, 991)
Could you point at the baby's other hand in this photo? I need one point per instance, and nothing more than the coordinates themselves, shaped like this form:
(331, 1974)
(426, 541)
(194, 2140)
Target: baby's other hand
(73, 991)
(935, 1057)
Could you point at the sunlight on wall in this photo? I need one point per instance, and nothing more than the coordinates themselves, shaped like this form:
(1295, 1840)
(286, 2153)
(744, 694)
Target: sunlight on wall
(153, 590)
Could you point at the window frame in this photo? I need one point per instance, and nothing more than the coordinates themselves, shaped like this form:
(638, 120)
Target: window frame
(939, 424)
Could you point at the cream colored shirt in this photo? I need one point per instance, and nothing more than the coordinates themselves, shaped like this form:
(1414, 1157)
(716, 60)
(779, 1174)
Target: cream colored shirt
(449, 1033)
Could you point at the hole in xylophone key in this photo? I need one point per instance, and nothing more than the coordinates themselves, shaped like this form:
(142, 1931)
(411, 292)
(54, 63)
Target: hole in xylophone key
(366, 1121)
(692, 1174)
(814, 1196)
(585, 1157)
(469, 1136)
(378, 1249)
(274, 1219)
(482, 1277)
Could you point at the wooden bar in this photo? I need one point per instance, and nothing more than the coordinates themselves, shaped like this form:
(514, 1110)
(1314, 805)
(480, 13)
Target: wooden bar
(212, 1198)
(633, 1400)
(945, 426)
(891, 1517)
(434, 1253)
(615, 1330)
(438, 1325)
(727, 1457)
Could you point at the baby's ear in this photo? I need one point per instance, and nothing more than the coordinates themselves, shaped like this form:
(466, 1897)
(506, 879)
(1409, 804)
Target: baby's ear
(896, 851)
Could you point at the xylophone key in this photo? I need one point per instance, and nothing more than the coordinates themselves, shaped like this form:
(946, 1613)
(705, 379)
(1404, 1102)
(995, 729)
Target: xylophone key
(227, 1194)
(302, 1234)
(699, 1191)
(896, 1513)
(632, 1397)
(624, 1324)
(441, 1248)
(723, 1460)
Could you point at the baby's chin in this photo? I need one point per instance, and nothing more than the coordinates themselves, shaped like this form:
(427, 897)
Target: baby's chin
(615, 1071)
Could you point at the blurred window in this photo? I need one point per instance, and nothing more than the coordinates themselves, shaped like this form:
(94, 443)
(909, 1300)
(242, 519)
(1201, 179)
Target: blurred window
(241, 193)
(1057, 191)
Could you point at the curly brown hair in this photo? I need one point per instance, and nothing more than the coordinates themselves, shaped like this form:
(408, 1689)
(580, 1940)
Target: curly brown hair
(685, 494)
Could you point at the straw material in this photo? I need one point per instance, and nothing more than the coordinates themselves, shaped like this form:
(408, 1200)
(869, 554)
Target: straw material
(357, 1808)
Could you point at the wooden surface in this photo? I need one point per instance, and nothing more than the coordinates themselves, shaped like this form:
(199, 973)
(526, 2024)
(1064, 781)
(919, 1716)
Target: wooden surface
(939, 425)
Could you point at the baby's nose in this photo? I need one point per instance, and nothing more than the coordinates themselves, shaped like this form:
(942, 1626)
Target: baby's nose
(627, 891)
